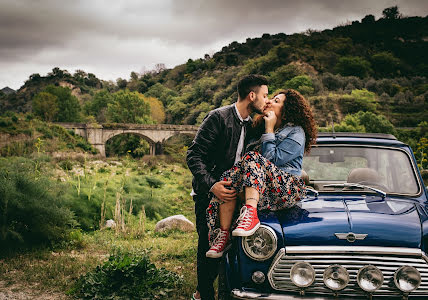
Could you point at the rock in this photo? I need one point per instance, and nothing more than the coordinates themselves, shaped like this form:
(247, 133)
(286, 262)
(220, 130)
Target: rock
(110, 224)
(179, 222)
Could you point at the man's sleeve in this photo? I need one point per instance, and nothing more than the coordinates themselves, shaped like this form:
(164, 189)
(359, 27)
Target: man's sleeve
(201, 151)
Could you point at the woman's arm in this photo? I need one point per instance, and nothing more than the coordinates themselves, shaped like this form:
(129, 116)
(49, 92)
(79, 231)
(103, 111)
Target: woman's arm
(288, 149)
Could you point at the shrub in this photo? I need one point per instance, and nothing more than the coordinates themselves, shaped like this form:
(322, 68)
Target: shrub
(127, 275)
(32, 211)
(302, 83)
(154, 182)
(66, 165)
(353, 66)
(358, 100)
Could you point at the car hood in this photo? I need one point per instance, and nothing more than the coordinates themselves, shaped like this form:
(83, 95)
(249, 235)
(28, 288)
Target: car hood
(386, 222)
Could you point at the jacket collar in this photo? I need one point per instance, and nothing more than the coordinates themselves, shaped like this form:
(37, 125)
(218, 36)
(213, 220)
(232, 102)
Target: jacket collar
(238, 117)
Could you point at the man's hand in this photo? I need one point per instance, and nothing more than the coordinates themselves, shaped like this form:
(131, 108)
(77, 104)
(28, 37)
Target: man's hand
(222, 193)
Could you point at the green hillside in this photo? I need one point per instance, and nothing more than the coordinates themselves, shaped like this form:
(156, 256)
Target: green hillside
(388, 57)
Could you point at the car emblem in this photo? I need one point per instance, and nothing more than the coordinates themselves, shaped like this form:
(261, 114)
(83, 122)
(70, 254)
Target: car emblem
(350, 236)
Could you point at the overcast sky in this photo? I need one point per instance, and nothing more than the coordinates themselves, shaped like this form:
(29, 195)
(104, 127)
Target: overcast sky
(112, 38)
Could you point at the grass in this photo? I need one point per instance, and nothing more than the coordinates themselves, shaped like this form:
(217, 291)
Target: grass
(58, 271)
(87, 184)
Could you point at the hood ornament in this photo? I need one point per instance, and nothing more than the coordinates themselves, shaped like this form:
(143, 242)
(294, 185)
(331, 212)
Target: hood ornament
(350, 236)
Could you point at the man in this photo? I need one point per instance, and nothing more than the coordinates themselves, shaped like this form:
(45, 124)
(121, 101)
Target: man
(218, 144)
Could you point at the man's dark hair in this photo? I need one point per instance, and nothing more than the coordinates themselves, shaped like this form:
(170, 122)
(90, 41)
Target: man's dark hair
(250, 83)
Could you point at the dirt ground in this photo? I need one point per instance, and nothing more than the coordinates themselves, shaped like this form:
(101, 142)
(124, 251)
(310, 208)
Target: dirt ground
(19, 292)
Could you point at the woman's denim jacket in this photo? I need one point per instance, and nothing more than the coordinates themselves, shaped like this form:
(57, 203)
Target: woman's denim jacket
(285, 148)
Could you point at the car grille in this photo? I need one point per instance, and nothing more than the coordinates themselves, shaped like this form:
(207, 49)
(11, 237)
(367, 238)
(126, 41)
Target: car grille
(388, 260)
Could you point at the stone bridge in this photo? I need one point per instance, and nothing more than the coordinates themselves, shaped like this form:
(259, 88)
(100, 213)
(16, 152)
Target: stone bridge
(99, 134)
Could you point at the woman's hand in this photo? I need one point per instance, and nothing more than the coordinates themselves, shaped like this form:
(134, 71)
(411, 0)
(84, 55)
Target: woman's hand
(270, 121)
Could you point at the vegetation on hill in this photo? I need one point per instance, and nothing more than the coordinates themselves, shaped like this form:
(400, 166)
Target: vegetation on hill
(377, 66)
(386, 57)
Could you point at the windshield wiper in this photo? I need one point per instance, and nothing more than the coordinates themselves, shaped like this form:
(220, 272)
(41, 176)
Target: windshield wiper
(316, 193)
(357, 185)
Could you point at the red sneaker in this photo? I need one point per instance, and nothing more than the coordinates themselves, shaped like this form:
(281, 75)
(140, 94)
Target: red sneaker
(220, 244)
(248, 222)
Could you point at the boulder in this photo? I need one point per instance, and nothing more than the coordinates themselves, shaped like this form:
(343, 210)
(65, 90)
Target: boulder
(110, 224)
(179, 222)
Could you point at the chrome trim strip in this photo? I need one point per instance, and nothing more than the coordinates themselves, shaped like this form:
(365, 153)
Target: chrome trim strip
(352, 249)
(424, 256)
(278, 257)
(238, 294)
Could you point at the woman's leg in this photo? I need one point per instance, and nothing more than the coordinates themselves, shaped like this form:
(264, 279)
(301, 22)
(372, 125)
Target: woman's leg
(226, 210)
(221, 241)
(252, 196)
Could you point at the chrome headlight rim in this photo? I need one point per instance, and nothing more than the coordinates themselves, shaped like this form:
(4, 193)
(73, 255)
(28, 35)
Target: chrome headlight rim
(309, 267)
(339, 267)
(246, 249)
(362, 270)
(397, 285)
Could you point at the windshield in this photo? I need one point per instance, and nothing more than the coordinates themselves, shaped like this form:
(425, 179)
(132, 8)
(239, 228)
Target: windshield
(389, 170)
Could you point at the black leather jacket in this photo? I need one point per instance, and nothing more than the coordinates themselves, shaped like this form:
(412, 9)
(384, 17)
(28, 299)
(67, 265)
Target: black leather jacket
(213, 150)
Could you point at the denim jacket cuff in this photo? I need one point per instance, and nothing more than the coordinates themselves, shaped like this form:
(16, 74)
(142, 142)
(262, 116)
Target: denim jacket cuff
(267, 137)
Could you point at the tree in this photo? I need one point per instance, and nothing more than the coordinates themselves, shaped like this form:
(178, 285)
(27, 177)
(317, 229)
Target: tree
(128, 107)
(45, 105)
(375, 122)
(385, 64)
(134, 76)
(353, 66)
(302, 83)
(58, 73)
(391, 13)
(282, 74)
(157, 111)
(121, 83)
(365, 122)
(358, 100)
(369, 19)
(159, 67)
(98, 105)
(68, 105)
(93, 81)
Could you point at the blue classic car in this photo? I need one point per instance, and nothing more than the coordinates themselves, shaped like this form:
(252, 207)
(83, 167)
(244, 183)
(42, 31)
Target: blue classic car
(362, 230)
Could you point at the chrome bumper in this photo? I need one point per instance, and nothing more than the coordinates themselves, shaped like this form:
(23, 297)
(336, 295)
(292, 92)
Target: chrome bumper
(238, 294)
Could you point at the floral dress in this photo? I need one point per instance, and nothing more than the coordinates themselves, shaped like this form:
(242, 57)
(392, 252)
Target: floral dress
(278, 189)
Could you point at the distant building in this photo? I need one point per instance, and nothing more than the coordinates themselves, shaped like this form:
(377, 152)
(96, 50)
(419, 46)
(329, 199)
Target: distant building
(7, 90)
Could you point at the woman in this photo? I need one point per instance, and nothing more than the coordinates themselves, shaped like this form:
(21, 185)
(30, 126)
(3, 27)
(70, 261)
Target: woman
(268, 176)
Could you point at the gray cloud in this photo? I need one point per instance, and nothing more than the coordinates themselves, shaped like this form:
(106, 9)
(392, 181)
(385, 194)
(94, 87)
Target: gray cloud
(116, 37)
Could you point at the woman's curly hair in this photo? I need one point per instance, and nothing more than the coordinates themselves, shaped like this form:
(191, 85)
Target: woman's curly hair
(296, 110)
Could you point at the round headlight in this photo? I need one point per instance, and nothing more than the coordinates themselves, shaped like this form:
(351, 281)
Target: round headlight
(407, 279)
(302, 274)
(261, 245)
(336, 277)
(370, 278)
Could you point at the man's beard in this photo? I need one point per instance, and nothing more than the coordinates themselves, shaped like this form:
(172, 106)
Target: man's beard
(255, 109)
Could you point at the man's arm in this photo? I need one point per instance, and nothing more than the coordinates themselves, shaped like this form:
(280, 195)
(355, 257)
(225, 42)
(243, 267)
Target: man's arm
(200, 152)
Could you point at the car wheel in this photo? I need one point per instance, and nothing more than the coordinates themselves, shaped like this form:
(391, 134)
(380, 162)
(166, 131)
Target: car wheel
(223, 291)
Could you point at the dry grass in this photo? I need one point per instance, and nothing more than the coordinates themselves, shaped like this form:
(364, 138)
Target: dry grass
(49, 275)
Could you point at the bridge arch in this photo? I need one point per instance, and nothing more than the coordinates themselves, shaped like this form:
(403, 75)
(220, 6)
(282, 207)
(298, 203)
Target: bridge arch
(156, 135)
(155, 147)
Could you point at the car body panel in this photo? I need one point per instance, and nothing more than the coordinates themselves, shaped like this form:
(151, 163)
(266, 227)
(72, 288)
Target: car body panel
(394, 221)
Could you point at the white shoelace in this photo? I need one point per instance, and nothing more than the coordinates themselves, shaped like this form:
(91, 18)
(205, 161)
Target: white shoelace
(220, 239)
(245, 217)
